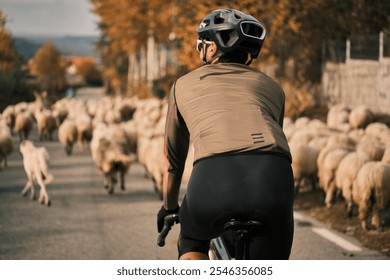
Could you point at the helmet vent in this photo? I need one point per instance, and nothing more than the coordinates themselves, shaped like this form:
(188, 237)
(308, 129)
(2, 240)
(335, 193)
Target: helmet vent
(225, 36)
(204, 23)
(218, 20)
(228, 37)
(237, 16)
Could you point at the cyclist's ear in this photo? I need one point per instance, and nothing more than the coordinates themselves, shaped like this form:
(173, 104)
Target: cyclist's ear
(212, 53)
(212, 49)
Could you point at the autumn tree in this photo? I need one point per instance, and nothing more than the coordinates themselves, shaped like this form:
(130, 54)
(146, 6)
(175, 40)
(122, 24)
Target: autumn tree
(131, 31)
(90, 72)
(13, 85)
(296, 32)
(8, 55)
(49, 68)
(299, 29)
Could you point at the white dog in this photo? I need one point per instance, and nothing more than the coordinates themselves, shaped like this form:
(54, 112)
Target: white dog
(35, 162)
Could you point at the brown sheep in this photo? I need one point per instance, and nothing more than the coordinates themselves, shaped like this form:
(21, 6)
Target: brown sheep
(23, 124)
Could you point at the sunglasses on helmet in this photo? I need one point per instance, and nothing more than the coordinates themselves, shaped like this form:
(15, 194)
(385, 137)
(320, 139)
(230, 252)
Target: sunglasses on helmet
(200, 43)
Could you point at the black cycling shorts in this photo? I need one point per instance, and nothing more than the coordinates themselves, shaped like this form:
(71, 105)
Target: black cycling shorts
(222, 187)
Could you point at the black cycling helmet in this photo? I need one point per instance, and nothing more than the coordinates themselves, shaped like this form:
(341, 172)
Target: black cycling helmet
(231, 29)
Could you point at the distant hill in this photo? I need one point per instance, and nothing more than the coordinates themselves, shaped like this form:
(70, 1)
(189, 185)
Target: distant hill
(27, 46)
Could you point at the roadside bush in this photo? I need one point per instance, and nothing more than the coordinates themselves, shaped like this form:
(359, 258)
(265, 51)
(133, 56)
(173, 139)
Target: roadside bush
(14, 87)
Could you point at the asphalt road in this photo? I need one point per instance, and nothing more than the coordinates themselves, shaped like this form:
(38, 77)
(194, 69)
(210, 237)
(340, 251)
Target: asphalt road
(85, 223)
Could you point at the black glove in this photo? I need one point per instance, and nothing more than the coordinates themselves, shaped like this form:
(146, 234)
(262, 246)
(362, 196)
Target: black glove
(162, 214)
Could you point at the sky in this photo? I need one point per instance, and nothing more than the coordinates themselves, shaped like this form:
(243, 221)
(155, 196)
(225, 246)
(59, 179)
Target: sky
(50, 17)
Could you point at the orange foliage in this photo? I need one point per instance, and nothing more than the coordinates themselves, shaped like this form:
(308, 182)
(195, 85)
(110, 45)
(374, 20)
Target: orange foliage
(8, 55)
(49, 67)
(296, 30)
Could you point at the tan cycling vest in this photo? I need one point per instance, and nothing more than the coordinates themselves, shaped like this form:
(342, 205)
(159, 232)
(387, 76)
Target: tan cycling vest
(226, 108)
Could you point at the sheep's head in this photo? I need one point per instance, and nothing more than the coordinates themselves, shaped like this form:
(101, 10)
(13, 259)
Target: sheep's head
(25, 145)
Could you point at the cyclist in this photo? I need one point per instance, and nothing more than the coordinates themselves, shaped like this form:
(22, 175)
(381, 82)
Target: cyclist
(233, 114)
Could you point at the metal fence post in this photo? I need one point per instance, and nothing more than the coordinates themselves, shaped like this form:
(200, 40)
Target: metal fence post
(348, 50)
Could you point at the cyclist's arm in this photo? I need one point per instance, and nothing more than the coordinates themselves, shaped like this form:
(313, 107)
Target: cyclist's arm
(175, 150)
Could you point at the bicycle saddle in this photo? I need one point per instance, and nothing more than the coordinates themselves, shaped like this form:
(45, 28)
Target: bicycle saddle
(253, 223)
(249, 226)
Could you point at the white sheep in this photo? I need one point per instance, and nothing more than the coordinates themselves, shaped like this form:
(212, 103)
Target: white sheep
(150, 131)
(61, 109)
(75, 107)
(150, 153)
(46, 124)
(6, 144)
(319, 142)
(67, 135)
(372, 146)
(327, 173)
(149, 110)
(303, 135)
(304, 164)
(335, 141)
(371, 190)
(376, 128)
(35, 163)
(130, 130)
(313, 129)
(346, 174)
(338, 117)
(379, 130)
(8, 115)
(84, 127)
(41, 100)
(288, 127)
(91, 107)
(110, 154)
(386, 155)
(360, 117)
(155, 162)
(356, 134)
(125, 107)
(21, 107)
(302, 122)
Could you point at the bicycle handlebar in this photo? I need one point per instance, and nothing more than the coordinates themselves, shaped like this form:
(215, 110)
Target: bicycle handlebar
(169, 221)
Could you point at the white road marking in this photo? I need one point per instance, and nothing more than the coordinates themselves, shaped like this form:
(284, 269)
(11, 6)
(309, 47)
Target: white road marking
(343, 243)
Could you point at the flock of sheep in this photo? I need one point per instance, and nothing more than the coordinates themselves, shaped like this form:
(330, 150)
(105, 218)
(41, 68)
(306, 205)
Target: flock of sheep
(346, 156)
(118, 131)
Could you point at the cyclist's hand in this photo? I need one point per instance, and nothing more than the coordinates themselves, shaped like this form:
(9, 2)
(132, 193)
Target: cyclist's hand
(161, 215)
